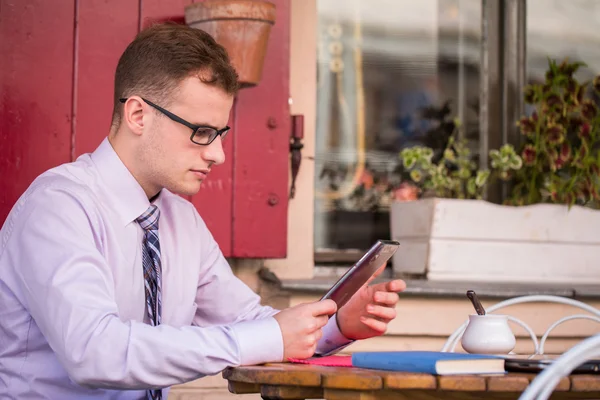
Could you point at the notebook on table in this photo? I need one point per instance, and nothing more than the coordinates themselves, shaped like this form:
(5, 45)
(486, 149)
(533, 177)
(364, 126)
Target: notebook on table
(430, 362)
(436, 363)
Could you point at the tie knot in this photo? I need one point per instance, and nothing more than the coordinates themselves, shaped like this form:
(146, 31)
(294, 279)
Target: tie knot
(149, 219)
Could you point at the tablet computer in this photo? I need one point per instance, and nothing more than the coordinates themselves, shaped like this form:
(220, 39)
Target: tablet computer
(377, 256)
(539, 362)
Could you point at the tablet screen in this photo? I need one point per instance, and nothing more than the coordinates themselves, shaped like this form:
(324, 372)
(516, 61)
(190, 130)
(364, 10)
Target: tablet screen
(375, 258)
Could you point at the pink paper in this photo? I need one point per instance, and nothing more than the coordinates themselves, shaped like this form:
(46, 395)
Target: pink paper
(327, 361)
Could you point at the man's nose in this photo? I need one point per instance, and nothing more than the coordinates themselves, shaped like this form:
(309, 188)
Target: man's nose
(214, 152)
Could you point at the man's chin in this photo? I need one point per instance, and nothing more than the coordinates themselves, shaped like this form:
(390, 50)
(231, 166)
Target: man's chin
(188, 189)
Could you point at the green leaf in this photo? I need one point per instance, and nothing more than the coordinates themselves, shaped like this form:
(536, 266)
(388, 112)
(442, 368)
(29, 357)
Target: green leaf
(409, 160)
(449, 155)
(464, 173)
(471, 186)
(515, 162)
(481, 178)
(416, 175)
(427, 153)
(425, 164)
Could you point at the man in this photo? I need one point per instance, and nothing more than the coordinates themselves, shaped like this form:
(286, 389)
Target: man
(111, 285)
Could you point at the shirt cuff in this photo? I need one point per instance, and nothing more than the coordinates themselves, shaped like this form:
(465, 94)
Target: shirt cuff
(332, 340)
(260, 341)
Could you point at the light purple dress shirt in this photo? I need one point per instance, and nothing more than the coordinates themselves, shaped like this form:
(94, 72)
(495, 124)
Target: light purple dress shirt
(72, 308)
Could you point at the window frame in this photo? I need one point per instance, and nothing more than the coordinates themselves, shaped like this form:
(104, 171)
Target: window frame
(503, 67)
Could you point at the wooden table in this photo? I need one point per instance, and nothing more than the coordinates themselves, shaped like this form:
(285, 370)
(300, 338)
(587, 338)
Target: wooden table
(298, 381)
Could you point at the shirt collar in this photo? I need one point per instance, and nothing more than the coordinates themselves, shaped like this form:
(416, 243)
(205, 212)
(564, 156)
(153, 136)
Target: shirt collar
(128, 198)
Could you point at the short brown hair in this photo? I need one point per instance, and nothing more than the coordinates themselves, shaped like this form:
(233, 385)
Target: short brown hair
(162, 56)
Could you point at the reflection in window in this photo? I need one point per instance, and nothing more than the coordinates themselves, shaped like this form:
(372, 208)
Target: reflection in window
(559, 29)
(391, 74)
(562, 30)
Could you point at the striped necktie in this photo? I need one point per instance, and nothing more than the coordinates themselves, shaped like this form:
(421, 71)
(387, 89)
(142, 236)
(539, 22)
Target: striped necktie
(152, 272)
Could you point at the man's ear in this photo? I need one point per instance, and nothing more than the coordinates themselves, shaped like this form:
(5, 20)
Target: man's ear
(133, 114)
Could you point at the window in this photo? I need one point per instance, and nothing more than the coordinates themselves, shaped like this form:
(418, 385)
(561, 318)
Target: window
(391, 73)
(560, 29)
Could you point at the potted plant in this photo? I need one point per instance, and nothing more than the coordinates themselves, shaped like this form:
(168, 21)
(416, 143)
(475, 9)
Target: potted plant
(242, 27)
(545, 231)
(561, 158)
(357, 220)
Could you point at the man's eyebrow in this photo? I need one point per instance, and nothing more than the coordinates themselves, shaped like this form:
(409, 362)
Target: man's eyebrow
(205, 125)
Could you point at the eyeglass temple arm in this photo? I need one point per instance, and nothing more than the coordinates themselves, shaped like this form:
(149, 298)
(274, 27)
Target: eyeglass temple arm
(168, 114)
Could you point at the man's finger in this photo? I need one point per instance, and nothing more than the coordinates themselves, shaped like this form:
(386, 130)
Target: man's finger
(397, 285)
(386, 298)
(318, 335)
(382, 312)
(324, 307)
(322, 321)
(376, 325)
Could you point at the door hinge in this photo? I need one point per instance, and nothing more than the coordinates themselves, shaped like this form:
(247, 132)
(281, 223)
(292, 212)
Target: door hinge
(296, 146)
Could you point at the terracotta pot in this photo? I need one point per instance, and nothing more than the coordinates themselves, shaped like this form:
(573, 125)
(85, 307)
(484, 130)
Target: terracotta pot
(241, 26)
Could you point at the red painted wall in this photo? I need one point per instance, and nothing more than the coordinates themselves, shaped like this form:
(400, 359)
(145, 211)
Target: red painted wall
(56, 81)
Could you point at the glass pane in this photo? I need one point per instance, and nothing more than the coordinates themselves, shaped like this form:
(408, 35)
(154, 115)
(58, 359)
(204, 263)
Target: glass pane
(391, 74)
(558, 29)
(561, 153)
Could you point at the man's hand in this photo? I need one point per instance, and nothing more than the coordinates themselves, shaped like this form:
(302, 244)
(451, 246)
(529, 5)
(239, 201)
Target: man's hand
(301, 327)
(369, 311)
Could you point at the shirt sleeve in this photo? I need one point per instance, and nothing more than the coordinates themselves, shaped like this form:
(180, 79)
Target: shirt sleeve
(58, 273)
(333, 339)
(225, 299)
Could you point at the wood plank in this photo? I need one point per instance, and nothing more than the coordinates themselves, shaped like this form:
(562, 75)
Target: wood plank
(261, 155)
(36, 77)
(291, 381)
(564, 385)
(585, 383)
(273, 375)
(513, 261)
(431, 236)
(343, 394)
(466, 383)
(243, 387)
(507, 383)
(350, 378)
(342, 377)
(291, 392)
(472, 219)
(574, 395)
(105, 28)
(340, 394)
(409, 381)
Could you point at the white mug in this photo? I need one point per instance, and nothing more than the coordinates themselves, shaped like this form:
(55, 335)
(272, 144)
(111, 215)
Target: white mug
(488, 334)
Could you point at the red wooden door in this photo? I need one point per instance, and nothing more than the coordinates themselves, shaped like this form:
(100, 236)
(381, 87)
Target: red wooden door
(56, 88)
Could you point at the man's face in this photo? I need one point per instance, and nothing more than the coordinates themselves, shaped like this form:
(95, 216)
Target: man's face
(170, 159)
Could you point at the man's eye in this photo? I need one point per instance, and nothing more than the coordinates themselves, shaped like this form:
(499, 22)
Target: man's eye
(205, 132)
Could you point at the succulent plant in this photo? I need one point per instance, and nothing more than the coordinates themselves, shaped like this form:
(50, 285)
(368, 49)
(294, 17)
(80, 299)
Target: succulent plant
(456, 174)
(560, 141)
(558, 160)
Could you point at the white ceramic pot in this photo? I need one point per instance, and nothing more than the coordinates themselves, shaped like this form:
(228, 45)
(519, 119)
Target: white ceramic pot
(488, 334)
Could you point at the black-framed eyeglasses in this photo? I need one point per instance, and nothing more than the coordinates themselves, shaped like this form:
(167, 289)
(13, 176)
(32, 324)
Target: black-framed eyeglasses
(201, 134)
